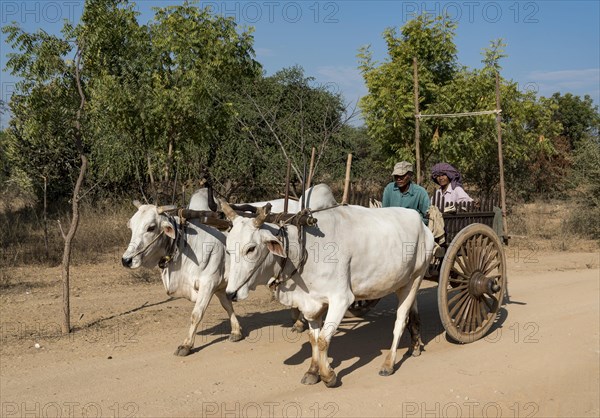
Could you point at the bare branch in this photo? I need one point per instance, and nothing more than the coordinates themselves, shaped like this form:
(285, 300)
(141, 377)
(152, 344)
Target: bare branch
(93, 186)
(272, 130)
(62, 233)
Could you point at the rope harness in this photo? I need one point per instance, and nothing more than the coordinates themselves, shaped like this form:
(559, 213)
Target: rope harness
(283, 236)
(173, 250)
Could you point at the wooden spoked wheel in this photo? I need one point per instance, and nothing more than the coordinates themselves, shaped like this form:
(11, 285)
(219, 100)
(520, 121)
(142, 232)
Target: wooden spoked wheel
(472, 283)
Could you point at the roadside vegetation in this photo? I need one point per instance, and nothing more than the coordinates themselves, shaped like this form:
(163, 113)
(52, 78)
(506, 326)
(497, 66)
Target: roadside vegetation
(181, 99)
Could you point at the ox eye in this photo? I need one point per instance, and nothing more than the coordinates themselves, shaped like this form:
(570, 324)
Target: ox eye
(250, 250)
(151, 228)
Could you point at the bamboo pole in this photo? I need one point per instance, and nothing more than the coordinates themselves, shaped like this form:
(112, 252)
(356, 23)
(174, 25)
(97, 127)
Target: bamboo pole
(501, 157)
(417, 120)
(347, 181)
(287, 186)
(311, 168)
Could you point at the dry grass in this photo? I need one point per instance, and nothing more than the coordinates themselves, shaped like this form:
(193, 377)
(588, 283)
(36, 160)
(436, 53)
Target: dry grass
(548, 226)
(103, 234)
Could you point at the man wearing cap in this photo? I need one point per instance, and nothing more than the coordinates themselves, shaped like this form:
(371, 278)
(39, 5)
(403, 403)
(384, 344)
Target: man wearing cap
(402, 192)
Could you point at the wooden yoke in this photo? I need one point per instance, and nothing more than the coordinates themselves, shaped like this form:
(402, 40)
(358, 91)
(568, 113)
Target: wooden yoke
(220, 221)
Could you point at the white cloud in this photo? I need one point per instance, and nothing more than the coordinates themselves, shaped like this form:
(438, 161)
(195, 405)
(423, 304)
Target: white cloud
(587, 74)
(579, 82)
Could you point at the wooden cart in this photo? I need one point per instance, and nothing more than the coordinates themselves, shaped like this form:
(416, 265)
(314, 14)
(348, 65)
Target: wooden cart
(470, 268)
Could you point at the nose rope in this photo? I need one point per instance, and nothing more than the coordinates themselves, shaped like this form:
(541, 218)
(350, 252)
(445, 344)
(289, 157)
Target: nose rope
(147, 246)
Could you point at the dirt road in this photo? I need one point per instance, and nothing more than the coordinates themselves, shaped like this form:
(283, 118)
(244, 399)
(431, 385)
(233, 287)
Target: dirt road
(542, 358)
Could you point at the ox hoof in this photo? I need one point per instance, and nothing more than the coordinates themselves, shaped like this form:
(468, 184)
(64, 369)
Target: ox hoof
(331, 381)
(235, 337)
(183, 350)
(299, 328)
(386, 371)
(310, 378)
(416, 352)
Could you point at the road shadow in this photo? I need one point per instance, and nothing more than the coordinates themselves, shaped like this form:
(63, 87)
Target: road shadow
(130, 311)
(357, 340)
(362, 340)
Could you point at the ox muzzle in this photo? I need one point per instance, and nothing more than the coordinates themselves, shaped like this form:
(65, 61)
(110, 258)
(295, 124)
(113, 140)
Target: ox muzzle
(127, 261)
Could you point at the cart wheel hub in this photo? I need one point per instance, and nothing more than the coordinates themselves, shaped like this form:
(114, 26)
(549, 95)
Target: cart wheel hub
(480, 284)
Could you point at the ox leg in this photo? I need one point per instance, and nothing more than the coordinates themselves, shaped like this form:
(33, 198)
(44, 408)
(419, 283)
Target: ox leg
(414, 326)
(236, 328)
(299, 321)
(204, 296)
(406, 298)
(312, 375)
(335, 314)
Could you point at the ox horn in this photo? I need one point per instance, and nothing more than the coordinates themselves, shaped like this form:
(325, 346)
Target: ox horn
(227, 210)
(137, 203)
(262, 214)
(163, 209)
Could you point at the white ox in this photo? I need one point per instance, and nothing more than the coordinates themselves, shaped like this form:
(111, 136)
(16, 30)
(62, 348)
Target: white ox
(199, 266)
(196, 267)
(354, 253)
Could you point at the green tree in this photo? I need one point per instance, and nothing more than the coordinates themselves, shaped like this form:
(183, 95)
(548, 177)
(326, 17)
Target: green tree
(166, 98)
(579, 117)
(283, 117)
(43, 108)
(586, 188)
(469, 143)
(388, 108)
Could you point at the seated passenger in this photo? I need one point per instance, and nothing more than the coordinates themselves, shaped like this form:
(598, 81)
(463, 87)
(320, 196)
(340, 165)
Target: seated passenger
(448, 178)
(402, 192)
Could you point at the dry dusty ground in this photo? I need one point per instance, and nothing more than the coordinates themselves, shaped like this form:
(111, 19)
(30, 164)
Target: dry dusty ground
(542, 358)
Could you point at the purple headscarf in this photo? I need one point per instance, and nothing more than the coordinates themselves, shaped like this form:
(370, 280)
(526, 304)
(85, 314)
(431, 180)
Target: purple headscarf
(447, 169)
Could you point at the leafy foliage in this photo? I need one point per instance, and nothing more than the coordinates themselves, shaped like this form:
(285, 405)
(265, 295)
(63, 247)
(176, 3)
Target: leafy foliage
(445, 87)
(388, 109)
(285, 116)
(183, 96)
(40, 130)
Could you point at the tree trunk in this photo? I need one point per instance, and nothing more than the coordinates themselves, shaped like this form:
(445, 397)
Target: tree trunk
(170, 151)
(66, 261)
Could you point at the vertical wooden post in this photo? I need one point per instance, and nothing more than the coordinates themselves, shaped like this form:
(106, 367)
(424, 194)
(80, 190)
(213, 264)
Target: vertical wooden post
(500, 156)
(347, 181)
(311, 168)
(47, 253)
(287, 187)
(417, 120)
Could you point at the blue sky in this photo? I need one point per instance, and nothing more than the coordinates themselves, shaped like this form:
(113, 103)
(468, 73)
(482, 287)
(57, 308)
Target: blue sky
(551, 45)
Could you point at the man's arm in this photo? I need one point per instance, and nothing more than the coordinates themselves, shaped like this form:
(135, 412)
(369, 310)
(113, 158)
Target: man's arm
(385, 200)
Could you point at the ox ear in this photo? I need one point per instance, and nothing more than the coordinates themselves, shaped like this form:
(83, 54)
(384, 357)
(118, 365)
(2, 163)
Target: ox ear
(275, 246)
(168, 229)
